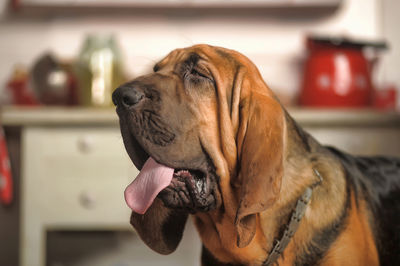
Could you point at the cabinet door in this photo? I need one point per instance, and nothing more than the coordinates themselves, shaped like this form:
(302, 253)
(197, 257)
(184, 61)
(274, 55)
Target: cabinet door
(75, 177)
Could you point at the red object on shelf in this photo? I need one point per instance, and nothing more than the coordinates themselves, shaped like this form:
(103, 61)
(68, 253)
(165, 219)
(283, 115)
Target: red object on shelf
(337, 74)
(6, 185)
(385, 98)
(19, 87)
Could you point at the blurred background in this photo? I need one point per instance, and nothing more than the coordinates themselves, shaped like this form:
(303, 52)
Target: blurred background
(63, 168)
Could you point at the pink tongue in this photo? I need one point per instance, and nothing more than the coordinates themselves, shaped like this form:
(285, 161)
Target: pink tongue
(153, 178)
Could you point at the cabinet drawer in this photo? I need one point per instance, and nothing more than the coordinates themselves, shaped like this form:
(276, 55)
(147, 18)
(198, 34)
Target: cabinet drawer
(76, 177)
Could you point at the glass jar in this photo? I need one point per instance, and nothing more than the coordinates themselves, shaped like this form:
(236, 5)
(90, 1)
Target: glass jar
(99, 70)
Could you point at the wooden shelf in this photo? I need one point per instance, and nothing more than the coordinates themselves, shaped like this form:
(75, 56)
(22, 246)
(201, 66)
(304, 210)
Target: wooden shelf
(182, 3)
(57, 116)
(60, 116)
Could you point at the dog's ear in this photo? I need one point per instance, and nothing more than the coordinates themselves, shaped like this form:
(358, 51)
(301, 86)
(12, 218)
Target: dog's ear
(160, 228)
(253, 141)
(260, 141)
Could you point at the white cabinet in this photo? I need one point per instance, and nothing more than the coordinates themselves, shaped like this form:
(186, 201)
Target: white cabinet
(72, 178)
(75, 167)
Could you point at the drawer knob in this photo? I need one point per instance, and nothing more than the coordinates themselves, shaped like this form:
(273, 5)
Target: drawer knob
(85, 144)
(87, 200)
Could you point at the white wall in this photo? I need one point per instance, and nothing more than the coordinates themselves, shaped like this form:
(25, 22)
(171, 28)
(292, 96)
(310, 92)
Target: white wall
(275, 44)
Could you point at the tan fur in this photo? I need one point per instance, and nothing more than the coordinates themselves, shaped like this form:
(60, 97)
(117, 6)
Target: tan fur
(357, 241)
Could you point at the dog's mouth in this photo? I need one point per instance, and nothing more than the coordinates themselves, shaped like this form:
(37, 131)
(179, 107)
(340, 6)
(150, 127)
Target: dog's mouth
(181, 188)
(191, 190)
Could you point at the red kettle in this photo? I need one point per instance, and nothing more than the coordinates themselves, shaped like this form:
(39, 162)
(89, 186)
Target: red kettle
(337, 73)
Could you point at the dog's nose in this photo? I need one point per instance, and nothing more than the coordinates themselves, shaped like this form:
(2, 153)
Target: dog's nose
(127, 96)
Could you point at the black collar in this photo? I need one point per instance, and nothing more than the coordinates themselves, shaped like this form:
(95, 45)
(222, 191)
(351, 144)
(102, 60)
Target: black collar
(293, 225)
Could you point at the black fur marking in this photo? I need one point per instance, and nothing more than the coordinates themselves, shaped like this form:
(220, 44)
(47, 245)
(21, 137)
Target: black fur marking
(192, 60)
(303, 135)
(377, 180)
(187, 65)
(207, 259)
(172, 229)
(322, 240)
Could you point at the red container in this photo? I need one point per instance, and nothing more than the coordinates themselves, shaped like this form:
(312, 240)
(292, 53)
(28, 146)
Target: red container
(385, 98)
(337, 74)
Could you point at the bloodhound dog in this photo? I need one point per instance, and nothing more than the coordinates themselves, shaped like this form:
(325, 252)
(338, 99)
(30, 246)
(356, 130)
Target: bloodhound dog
(212, 141)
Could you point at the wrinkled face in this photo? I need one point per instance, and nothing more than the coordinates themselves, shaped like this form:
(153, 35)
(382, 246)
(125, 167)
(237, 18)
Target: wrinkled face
(166, 115)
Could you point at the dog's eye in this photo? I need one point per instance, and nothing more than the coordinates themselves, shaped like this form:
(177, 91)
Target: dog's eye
(196, 73)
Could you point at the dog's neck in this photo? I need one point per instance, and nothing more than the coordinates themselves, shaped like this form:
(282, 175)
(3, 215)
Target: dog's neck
(290, 228)
(302, 158)
(302, 155)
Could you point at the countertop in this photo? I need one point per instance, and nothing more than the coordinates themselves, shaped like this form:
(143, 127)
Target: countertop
(63, 116)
